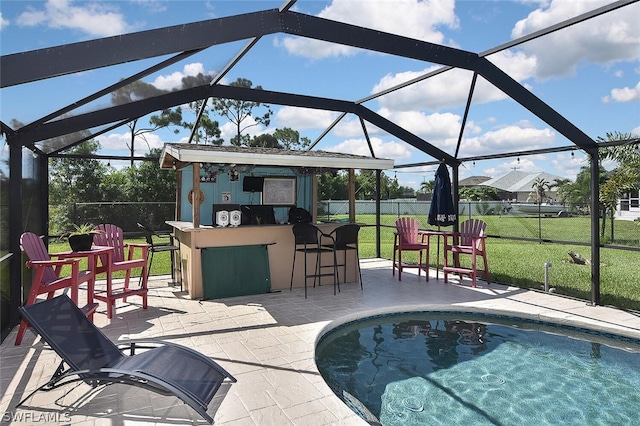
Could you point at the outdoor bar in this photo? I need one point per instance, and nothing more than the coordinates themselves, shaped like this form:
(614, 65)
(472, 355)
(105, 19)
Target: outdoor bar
(233, 220)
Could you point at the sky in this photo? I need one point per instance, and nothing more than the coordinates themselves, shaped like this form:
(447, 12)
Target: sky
(590, 73)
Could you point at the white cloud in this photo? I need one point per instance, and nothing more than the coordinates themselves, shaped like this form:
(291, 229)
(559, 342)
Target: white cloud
(625, 94)
(3, 22)
(95, 19)
(435, 128)
(451, 88)
(249, 127)
(411, 18)
(116, 143)
(508, 139)
(519, 66)
(567, 165)
(153, 6)
(636, 131)
(394, 150)
(350, 127)
(609, 38)
(174, 80)
(304, 118)
(509, 165)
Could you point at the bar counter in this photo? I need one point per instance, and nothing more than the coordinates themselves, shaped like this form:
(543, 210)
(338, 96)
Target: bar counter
(279, 243)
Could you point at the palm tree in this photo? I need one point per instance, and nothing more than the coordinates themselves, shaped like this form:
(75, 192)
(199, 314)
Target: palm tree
(427, 186)
(540, 186)
(625, 177)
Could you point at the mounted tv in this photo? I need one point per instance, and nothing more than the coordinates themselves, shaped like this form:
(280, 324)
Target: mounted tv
(257, 214)
(252, 184)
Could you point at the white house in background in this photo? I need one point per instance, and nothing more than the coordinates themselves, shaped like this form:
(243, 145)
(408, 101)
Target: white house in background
(629, 206)
(517, 186)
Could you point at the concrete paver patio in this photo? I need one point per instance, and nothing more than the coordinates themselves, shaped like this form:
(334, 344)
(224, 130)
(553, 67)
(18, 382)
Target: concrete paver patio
(266, 341)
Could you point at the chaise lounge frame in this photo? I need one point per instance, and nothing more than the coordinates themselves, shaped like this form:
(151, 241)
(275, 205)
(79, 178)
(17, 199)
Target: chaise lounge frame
(162, 367)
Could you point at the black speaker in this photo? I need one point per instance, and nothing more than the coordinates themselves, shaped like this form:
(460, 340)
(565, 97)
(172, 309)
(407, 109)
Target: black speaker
(252, 184)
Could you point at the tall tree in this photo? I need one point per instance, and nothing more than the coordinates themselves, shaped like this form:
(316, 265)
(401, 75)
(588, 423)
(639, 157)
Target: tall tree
(562, 186)
(147, 182)
(427, 186)
(540, 187)
(141, 90)
(290, 139)
(264, 140)
(365, 185)
(73, 179)
(626, 176)
(240, 112)
(478, 193)
(333, 186)
(208, 131)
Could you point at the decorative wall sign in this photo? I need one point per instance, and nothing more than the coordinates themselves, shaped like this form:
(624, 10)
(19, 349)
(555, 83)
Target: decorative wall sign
(279, 191)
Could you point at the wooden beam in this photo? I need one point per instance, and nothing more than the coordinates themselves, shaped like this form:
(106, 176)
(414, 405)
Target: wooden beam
(352, 195)
(195, 195)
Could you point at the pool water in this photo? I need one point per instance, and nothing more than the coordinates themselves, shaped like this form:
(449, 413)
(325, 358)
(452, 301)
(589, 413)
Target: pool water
(443, 368)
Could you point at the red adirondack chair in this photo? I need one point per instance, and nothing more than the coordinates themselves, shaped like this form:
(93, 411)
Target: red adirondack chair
(47, 277)
(122, 258)
(408, 237)
(470, 240)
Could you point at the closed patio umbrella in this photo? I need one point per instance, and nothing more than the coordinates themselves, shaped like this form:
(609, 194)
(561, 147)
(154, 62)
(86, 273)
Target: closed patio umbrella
(442, 211)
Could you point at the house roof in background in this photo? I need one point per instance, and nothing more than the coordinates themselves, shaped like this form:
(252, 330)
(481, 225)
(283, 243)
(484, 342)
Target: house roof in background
(516, 181)
(473, 180)
(191, 153)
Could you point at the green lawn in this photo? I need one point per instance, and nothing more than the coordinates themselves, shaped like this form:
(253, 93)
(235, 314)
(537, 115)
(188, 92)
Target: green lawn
(161, 261)
(521, 263)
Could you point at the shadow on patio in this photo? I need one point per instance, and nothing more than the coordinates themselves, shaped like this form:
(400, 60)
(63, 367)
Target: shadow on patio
(266, 341)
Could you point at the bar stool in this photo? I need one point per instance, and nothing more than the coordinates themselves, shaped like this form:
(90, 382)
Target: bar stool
(345, 238)
(307, 241)
(161, 247)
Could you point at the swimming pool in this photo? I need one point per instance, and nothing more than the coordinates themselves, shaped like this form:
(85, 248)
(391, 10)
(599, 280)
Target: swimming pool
(444, 367)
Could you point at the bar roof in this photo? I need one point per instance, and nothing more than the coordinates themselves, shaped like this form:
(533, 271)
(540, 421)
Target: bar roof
(178, 154)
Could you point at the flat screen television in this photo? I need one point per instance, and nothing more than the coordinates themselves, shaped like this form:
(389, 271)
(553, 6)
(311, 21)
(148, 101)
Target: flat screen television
(257, 214)
(252, 183)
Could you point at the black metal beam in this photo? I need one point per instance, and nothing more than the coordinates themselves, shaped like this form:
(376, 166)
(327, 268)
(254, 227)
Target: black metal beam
(535, 105)
(34, 65)
(145, 106)
(25, 67)
(595, 222)
(405, 135)
(110, 88)
(112, 114)
(199, 35)
(378, 41)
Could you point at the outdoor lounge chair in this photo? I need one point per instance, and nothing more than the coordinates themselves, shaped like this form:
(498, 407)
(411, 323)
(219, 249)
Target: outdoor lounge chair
(161, 367)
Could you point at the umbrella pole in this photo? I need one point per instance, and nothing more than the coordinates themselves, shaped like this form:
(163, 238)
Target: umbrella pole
(438, 255)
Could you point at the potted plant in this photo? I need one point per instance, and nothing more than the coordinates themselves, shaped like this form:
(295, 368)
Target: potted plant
(81, 238)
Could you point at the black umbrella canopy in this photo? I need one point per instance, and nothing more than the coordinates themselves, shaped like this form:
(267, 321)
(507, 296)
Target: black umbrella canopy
(442, 211)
